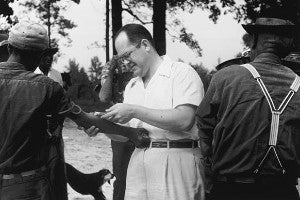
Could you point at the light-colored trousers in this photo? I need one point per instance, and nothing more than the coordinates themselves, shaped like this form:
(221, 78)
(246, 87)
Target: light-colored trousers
(165, 174)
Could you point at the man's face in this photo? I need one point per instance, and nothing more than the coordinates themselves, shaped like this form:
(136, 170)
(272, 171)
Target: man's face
(132, 55)
(46, 63)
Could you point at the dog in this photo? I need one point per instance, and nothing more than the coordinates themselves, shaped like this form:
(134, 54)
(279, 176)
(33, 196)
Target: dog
(88, 184)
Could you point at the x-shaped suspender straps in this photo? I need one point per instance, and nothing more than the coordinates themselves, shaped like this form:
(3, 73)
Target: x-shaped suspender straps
(276, 112)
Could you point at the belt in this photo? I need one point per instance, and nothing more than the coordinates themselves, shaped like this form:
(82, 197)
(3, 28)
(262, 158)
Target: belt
(230, 179)
(263, 179)
(23, 174)
(174, 144)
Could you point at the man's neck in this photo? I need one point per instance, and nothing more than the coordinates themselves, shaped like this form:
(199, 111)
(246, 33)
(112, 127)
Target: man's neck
(154, 63)
(45, 71)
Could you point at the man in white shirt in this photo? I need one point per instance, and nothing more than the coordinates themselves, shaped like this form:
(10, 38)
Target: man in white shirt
(162, 98)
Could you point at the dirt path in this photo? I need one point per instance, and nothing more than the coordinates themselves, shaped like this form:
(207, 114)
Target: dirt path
(86, 154)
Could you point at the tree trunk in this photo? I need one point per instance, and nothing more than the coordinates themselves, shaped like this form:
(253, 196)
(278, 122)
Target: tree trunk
(159, 25)
(48, 21)
(116, 10)
(107, 31)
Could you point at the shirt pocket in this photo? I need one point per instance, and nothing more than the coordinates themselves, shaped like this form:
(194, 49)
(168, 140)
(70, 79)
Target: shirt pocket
(159, 96)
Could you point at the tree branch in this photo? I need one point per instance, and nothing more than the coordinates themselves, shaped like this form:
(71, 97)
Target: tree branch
(129, 11)
(136, 17)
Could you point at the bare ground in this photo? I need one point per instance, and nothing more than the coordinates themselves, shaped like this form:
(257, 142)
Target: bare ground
(87, 155)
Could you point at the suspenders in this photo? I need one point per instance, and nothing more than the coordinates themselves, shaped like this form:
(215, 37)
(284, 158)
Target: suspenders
(276, 112)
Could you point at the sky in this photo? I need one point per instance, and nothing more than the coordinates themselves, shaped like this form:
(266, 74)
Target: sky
(222, 40)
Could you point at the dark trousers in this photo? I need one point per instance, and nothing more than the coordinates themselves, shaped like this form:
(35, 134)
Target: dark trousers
(249, 191)
(23, 188)
(121, 155)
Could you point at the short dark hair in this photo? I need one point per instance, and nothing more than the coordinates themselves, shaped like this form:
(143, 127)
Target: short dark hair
(135, 33)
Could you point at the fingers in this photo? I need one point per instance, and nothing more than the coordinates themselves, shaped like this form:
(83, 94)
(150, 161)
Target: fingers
(92, 131)
(112, 108)
(109, 116)
(99, 113)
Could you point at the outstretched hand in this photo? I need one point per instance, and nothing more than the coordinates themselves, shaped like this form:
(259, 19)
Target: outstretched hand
(92, 131)
(120, 113)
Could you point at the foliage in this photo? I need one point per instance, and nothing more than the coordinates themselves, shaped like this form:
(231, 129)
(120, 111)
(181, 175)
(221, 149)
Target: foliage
(95, 70)
(203, 73)
(48, 11)
(181, 33)
(5, 9)
(188, 39)
(246, 10)
(250, 9)
(81, 86)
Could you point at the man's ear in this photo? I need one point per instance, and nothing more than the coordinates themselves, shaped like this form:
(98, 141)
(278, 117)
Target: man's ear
(146, 44)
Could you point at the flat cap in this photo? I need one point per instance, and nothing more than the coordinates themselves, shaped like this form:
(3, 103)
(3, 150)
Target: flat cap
(28, 35)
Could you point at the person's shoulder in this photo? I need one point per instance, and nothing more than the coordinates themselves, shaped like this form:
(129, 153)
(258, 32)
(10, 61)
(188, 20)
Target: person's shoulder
(181, 66)
(182, 69)
(43, 80)
(132, 83)
(230, 74)
(231, 71)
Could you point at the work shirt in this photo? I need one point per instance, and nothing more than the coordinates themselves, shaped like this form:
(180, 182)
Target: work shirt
(25, 100)
(173, 84)
(234, 120)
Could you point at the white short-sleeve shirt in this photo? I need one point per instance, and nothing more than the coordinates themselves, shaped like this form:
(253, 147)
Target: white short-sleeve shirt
(173, 84)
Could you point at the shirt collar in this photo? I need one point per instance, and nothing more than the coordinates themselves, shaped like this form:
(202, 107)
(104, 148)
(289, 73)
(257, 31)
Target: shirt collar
(165, 67)
(268, 57)
(12, 66)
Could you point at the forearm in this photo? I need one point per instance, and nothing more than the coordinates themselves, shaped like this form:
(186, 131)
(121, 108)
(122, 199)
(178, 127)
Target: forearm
(87, 120)
(177, 119)
(138, 136)
(105, 94)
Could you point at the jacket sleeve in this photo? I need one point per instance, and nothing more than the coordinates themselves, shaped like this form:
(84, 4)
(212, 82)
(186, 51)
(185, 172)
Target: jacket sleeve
(206, 117)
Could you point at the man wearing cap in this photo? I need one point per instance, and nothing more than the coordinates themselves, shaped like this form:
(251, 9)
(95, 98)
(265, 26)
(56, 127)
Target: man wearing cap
(46, 68)
(32, 108)
(25, 102)
(249, 120)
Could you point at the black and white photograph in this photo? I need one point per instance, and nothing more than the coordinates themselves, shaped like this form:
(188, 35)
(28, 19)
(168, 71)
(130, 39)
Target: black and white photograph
(149, 99)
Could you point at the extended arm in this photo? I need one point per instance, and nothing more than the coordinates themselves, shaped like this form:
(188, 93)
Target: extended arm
(180, 118)
(138, 136)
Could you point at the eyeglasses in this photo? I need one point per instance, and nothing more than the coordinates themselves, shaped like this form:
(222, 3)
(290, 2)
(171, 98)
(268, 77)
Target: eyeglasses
(124, 57)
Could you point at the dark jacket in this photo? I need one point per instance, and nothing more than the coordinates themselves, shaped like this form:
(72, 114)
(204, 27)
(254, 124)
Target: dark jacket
(234, 120)
(25, 101)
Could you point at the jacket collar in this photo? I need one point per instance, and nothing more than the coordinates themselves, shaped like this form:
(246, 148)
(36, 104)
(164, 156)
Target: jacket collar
(12, 66)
